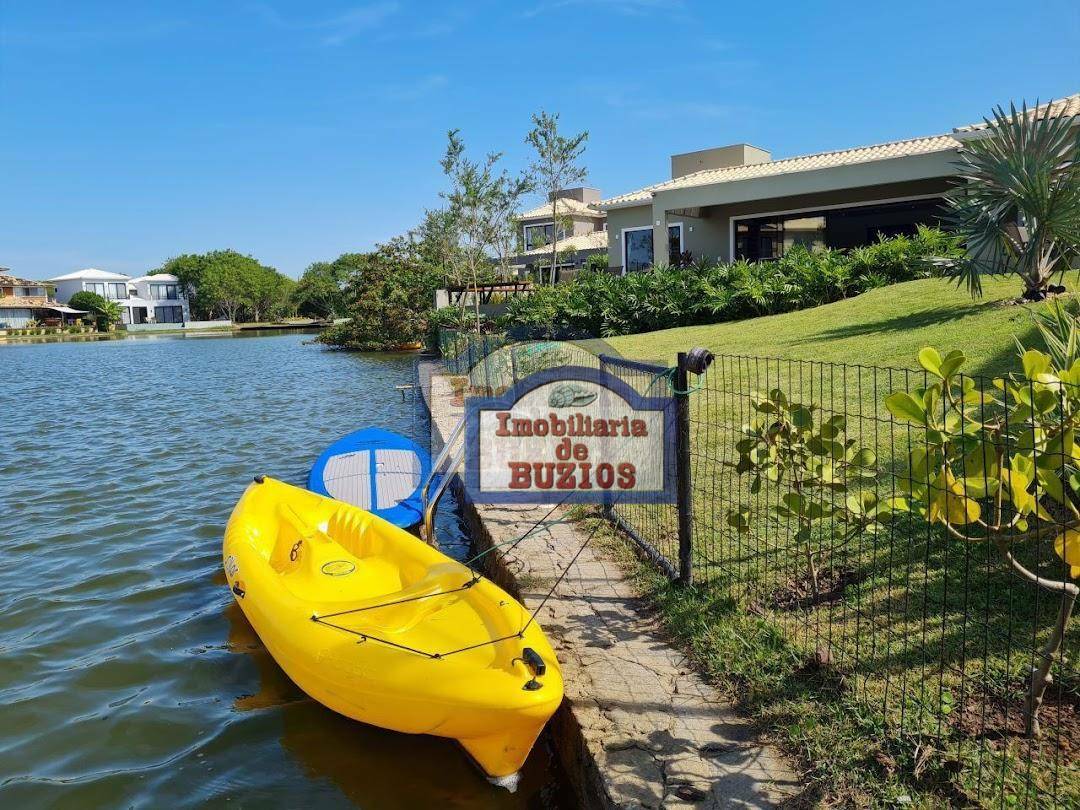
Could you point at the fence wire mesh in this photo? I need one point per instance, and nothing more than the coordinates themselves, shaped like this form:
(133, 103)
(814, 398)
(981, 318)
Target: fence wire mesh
(834, 532)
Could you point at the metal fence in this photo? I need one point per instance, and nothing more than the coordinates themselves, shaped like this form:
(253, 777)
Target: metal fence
(915, 561)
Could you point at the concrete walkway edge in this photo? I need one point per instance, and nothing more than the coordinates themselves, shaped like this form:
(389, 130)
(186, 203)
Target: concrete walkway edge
(639, 727)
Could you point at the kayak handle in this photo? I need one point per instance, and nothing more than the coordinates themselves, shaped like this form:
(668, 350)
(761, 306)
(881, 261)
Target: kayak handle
(238, 590)
(533, 660)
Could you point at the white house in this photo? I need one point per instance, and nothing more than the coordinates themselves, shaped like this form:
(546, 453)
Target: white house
(147, 299)
(163, 297)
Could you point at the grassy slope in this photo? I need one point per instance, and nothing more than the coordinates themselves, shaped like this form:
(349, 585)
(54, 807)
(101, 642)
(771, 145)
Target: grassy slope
(901, 574)
(884, 327)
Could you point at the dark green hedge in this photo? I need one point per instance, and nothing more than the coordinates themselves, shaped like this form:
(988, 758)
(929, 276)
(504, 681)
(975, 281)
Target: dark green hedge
(601, 304)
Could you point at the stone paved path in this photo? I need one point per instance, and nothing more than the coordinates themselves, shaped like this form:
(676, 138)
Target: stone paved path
(654, 733)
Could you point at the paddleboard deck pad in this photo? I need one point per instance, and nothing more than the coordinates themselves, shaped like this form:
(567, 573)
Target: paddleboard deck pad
(377, 470)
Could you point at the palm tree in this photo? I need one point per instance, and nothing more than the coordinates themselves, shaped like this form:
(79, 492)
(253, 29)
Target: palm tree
(1018, 205)
(109, 312)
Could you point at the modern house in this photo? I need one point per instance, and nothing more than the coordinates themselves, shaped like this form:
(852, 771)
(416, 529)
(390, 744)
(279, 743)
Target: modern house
(162, 298)
(147, 299)
(737, 202)
(23, 301)
(578, 230)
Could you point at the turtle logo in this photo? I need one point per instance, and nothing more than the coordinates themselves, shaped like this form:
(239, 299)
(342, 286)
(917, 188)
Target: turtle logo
(568, 395)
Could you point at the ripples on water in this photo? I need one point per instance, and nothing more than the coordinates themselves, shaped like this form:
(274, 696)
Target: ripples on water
(127, 674)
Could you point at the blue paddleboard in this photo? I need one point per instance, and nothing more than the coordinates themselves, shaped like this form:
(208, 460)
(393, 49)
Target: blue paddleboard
(377, 470)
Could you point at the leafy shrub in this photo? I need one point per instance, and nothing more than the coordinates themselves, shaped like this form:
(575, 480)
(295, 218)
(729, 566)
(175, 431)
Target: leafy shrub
(597, 262)
(601, 304)
(389, 292)
(87, 301)
(454, 317)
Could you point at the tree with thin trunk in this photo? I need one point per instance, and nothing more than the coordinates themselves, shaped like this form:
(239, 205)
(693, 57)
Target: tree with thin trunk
(999, 470)
(557, 166)
(1017, 201)
(480, 199)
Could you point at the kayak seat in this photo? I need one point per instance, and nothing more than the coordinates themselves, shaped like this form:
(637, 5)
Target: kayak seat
(400, 610)
(349, 529)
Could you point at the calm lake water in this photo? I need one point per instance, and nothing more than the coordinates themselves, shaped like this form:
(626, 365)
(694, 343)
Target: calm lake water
(127, 675)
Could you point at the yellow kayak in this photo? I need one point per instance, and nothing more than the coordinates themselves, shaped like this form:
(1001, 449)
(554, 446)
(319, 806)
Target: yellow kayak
(381, 627)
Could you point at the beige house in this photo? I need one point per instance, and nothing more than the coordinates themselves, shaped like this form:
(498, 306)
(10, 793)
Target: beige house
(579, 232)
(737, 202)
(23, 302)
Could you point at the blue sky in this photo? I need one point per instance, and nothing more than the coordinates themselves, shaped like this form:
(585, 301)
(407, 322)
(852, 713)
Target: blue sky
(131, 132)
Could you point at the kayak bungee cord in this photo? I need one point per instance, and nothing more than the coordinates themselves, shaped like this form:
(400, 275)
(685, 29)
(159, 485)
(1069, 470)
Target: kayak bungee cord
(668, 376)
(364, 636)
(466, 586)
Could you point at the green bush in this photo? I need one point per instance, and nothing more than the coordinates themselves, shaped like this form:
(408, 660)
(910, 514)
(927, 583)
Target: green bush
(97, 307)
(597, 262)
(605, 305)
(389, 292)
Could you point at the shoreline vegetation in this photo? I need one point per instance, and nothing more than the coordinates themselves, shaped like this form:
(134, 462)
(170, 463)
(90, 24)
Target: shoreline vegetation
(59, 335)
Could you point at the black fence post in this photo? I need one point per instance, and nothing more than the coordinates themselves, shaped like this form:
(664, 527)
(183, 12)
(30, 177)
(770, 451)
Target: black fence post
(683, 488)
(487, 367)
(607, 508)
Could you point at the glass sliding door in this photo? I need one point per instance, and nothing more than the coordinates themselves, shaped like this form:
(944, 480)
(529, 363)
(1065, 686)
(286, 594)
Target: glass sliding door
(169, 314)
(769, 237)
(637, 249)
(675, 244)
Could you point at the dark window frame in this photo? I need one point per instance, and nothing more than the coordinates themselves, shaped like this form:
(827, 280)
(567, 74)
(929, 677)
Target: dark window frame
(175, 314)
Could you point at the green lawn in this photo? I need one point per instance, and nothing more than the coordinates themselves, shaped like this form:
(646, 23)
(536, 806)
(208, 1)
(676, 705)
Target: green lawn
(884, 327)
(930, 639)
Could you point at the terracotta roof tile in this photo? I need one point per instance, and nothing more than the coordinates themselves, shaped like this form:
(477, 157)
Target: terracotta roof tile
(1068, 106)
(567, 207)
(804, 163)
(586, 241)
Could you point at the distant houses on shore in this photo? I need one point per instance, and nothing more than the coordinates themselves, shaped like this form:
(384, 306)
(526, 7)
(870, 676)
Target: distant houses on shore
(154, 299)
(146, 299)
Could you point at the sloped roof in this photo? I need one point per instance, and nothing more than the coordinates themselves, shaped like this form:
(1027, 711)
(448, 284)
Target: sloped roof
(567, 206)
(8, 280)
(91, 273)
(585, 241)
(803, 163)
(164, 278)
(1068, 106)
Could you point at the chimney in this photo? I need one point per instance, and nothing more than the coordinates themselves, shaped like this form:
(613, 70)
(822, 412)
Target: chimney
(722, 157)
(581, 194)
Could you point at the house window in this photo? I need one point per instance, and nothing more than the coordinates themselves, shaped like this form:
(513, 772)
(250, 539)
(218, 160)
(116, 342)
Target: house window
(637, 249)
(169, 314)
(541, 235)
(164, 292)
(95, 287)
(770, 237)
(29, 292)
(118, 290)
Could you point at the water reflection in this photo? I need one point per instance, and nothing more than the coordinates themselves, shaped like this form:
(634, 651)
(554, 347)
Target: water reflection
(375, 768)
(128, 678)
